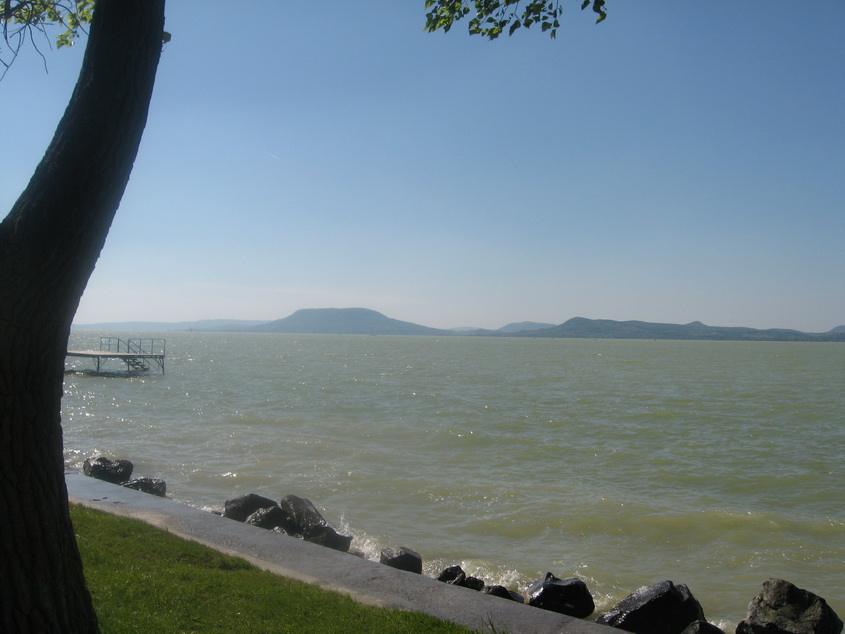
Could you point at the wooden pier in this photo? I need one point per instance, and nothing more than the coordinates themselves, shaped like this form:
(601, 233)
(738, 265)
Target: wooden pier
(139, 355)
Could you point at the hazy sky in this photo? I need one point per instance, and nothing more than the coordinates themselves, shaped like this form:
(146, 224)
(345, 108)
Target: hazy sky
(678, 162)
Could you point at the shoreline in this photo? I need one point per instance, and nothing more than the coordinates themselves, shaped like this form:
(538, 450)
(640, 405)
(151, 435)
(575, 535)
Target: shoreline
(366, 581)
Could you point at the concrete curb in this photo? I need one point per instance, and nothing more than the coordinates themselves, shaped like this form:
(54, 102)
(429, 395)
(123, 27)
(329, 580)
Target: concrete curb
(366, 581)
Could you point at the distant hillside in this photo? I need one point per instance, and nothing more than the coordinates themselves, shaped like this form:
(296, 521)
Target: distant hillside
(521, 327)
(524, 325)
(579, 327)
(363, 321)
(344, 321)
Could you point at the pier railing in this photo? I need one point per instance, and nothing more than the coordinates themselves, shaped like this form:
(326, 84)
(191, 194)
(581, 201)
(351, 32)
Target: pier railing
(137, 354)
(133, 346)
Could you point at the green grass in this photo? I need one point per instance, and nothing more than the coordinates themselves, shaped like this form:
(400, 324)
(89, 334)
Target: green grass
(143, 579)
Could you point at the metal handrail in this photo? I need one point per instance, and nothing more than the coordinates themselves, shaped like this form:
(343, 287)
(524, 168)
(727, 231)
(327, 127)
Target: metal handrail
(136, 346)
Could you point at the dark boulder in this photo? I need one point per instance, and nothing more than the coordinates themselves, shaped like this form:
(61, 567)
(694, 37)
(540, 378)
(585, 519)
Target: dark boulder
(402, 558)
(782, 608)
(664, 608)
(292, 516)
(455, 575)
(271, 517)
(328, 537)
(702, 627)
(242, 507)
(452, 574)
(304, 515)
(153, 486)
(473, 583)
(565, 596)
(503, 592)
(497, 591)
(114, 471)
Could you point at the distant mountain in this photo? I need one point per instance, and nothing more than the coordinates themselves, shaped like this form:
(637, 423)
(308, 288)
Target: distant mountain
(203, 325)
(580, 327)
(524, 325)
(363, 321)
(344, 321)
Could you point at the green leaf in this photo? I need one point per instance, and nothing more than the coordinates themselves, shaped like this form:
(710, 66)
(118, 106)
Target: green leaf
(491, 18)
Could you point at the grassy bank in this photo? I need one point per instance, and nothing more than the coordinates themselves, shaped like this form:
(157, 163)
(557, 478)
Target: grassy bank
(143, 579)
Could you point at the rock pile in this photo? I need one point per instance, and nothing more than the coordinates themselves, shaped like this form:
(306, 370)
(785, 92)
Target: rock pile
(567, 596)
(120, 472)
(292, 515)
(402, 559)
(662, 608)
(782, 608)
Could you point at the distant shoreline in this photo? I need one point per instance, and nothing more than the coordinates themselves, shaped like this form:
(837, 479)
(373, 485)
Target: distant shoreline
(362, 321)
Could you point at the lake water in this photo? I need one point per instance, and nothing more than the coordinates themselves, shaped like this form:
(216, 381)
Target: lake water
(714, 464)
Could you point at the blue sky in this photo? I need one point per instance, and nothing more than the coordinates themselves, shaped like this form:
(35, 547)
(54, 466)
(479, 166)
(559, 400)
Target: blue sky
(678, 162)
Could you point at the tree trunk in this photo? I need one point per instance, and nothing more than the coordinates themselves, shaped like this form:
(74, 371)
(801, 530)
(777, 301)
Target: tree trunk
(49, 244)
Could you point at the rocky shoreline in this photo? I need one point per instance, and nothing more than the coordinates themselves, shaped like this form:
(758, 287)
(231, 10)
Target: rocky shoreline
(779, 608)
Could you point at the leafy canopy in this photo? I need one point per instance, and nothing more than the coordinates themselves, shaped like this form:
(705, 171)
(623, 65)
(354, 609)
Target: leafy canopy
(26, 20)
(493, 17)
(23, 20)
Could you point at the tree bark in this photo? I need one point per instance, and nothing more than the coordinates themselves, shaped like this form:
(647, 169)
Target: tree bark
(49, 244)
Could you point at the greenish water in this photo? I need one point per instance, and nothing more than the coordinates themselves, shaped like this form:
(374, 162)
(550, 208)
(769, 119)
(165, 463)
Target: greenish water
(714, 464)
